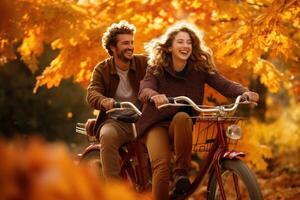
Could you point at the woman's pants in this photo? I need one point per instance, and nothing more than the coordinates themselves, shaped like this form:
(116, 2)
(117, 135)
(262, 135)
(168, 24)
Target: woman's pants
(158, 140)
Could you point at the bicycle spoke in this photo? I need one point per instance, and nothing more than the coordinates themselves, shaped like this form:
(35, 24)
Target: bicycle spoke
(233, 188)
(236, 185)
(221, 182)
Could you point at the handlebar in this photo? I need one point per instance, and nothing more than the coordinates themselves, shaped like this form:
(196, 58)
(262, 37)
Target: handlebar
(125, 105)
(174, 101)
(82, 127)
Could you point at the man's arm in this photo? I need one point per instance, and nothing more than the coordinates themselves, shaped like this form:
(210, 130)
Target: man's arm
(96, 89)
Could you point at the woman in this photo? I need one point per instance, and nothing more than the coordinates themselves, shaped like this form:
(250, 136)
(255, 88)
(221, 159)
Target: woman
(179, 64)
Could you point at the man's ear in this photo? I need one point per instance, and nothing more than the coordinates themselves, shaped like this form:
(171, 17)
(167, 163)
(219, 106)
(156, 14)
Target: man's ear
(112, 48)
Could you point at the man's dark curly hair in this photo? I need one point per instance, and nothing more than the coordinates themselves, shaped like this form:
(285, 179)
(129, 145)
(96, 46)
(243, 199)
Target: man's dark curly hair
(109, 38)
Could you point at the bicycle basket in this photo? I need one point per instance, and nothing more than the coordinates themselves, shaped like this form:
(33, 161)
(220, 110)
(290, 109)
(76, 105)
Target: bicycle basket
(206, 129)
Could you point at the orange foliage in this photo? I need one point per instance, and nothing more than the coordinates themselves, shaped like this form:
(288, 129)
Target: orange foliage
(256, 153)
(239, 33)
(36, 170)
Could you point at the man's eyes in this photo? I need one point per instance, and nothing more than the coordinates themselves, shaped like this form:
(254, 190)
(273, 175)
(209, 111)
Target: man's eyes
(126, 43)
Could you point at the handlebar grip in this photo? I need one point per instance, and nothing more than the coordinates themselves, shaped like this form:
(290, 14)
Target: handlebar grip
(117, 104)
(170, 99)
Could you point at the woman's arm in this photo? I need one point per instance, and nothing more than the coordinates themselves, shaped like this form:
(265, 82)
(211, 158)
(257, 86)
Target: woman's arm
(224, 86)
(149, 90)
(148, 86)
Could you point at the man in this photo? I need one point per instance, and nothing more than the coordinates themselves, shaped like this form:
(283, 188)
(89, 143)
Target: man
(115, 79)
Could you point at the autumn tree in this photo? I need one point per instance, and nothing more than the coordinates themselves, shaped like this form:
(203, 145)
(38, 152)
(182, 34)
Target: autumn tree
(251, 34)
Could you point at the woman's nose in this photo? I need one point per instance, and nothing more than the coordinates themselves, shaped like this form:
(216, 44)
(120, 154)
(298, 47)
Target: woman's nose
(186, 44)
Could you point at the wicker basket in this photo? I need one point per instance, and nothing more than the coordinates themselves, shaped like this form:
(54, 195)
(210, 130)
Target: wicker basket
(206, 129)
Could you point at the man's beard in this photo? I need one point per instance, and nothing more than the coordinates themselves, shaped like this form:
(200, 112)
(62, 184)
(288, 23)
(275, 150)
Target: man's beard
(121, 55)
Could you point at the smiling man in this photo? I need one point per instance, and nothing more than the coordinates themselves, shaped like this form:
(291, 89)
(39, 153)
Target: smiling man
(115, 79)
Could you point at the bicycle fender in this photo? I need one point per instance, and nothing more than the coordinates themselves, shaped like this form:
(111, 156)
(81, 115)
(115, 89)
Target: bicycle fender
(91, 147)
(233, 154)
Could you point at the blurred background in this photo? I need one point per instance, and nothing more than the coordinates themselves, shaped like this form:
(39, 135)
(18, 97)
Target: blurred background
(50, 113)
(48, 49)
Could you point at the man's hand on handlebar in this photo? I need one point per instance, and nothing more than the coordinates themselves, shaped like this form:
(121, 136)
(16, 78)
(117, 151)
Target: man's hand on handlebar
(159, 99)
(107, 103)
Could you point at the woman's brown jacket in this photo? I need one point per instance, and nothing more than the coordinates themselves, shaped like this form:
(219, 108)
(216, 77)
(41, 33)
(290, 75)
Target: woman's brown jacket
(191, 84)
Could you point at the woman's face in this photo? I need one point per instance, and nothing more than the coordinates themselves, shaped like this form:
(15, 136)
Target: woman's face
(182, 46)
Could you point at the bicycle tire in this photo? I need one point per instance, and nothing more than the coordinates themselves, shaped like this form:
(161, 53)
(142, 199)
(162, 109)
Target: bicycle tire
(249, 190)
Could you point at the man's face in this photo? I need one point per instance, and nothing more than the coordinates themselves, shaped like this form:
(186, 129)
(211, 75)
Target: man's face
(124, 47)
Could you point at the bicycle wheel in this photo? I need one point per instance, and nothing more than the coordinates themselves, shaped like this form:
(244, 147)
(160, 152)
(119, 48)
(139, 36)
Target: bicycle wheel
(238, 181)
(92, 158)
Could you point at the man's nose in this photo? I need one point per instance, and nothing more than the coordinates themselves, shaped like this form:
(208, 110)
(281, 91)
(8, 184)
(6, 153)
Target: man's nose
(130, 46)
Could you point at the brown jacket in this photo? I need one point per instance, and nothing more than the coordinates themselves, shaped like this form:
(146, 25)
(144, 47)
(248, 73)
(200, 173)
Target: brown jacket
(105, 80)
(191, 84)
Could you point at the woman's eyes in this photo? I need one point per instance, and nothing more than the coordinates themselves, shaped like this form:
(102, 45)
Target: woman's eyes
(181, 42)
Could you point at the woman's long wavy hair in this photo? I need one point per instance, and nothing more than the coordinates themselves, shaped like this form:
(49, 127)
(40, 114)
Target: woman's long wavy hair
(160, 56)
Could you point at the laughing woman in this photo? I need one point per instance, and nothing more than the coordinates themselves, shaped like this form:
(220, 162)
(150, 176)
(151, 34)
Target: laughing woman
(179, 64)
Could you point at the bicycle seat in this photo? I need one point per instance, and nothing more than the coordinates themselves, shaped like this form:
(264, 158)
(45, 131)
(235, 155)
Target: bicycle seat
(131, 118)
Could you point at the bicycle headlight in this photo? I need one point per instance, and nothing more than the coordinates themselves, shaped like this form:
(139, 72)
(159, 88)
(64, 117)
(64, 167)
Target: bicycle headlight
(234, 132)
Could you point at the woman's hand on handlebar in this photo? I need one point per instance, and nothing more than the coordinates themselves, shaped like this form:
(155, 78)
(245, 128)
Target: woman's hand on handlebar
(251, 96)
(159, 99)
